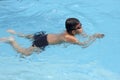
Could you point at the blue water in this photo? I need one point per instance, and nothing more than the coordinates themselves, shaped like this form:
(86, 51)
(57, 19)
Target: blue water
(100, 61)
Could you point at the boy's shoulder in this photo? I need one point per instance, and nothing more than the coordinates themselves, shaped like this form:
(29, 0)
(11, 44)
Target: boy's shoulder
(70, 38)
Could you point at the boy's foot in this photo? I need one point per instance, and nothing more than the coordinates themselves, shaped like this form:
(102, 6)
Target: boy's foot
(11, 31)
(7, 39)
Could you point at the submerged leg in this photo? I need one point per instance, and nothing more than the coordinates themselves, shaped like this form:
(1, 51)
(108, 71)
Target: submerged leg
(28, 36)
(17, 47)
(8, 39)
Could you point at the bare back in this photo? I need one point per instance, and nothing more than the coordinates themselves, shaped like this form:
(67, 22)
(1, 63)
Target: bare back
(59, 38)
(55, 38)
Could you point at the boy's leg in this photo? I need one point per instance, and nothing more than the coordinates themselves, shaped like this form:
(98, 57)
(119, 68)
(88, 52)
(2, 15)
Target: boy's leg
(17, 47)
(28, 36)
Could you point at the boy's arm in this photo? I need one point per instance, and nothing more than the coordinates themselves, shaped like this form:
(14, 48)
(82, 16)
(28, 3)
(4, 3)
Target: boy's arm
(90, 40)
(86, 43)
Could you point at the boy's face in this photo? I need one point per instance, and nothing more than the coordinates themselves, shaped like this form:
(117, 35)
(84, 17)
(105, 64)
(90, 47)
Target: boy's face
(79, 28)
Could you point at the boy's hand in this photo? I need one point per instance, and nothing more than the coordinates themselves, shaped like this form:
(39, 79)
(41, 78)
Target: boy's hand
(98, 35)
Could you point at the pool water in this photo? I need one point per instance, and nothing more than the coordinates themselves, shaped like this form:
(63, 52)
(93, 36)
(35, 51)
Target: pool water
(100, 61)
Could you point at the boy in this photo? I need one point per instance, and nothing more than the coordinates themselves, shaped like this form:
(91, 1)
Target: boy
(41, 40)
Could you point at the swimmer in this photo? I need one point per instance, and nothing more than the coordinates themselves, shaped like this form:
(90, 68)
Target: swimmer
(40, 39)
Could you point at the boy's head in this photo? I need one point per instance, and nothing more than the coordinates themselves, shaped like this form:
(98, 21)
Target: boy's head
(71, 25)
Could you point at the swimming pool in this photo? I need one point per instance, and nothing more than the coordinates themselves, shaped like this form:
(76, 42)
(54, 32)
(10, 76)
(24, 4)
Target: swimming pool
(100, 61)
